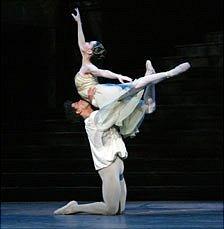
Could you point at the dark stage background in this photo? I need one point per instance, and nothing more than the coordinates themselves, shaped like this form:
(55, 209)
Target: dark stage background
(178, 153)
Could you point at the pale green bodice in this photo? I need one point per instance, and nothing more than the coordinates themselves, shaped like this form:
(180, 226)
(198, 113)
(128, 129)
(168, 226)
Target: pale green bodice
(83, 83)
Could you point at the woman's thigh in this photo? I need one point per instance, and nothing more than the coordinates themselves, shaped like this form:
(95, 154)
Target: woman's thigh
(107, 93)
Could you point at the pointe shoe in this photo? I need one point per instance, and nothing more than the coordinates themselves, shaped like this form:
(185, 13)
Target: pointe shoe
(184, 67)
(178, 69)
(150, 107)
(69, 208)
(149, 68)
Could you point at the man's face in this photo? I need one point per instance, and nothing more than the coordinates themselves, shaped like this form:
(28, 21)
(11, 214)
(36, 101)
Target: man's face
(80, 106)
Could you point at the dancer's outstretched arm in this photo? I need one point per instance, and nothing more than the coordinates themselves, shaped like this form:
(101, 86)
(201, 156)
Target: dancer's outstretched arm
(81, 37)
(106, 73)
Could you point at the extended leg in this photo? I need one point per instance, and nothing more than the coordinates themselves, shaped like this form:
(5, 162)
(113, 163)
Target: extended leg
(111, 195)
(145, 80)
(150, 79)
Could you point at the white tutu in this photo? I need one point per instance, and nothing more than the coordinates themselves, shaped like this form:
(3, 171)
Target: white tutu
(121, 106)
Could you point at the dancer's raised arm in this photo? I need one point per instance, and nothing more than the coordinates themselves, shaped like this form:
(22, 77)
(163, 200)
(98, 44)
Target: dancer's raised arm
(81, 37)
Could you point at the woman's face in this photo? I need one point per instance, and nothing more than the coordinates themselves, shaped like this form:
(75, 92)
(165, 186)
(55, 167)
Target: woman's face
(89, 45)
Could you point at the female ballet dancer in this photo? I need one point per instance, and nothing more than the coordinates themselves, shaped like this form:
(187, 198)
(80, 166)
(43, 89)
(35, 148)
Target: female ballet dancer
(119, 101)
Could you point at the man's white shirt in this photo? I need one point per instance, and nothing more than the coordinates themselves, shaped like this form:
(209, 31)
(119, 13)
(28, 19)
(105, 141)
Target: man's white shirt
(105, 145)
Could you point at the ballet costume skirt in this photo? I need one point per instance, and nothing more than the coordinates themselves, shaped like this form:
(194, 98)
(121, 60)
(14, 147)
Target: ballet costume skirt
(120, 105)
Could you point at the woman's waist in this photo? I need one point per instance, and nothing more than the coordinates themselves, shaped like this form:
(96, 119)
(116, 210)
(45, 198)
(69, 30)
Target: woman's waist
(85, 82)
(85, 87)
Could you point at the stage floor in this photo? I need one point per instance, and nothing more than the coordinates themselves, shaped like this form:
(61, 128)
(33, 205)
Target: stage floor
(148, 214)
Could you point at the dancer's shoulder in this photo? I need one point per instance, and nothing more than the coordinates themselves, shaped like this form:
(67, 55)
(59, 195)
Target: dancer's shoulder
(87, 69)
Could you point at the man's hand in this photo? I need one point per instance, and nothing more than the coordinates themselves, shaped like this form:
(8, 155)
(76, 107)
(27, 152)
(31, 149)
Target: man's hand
(77, 16)
(122, 78)
(91, 93)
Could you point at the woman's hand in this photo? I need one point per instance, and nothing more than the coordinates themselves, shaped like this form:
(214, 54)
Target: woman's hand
(91, 93)
(77, 16)
(122, 78)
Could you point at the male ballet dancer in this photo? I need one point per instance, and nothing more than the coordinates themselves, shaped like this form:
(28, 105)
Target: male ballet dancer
(108, 152)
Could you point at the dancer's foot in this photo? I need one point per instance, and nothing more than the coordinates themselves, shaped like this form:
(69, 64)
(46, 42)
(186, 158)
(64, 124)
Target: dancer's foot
(149, 90)
(150, 106)
(178, 70)
(149, 68)
(69, 208)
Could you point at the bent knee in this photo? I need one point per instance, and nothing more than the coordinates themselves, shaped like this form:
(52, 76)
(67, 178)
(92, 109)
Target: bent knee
(112, 209)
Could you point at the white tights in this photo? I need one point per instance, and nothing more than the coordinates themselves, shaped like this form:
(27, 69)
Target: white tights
(150, 79)
(150, 93)
(114, 194)
(157, 77)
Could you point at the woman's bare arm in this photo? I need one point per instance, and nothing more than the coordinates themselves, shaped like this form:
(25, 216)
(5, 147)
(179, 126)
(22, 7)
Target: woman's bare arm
(81, 37)
(106, 73)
